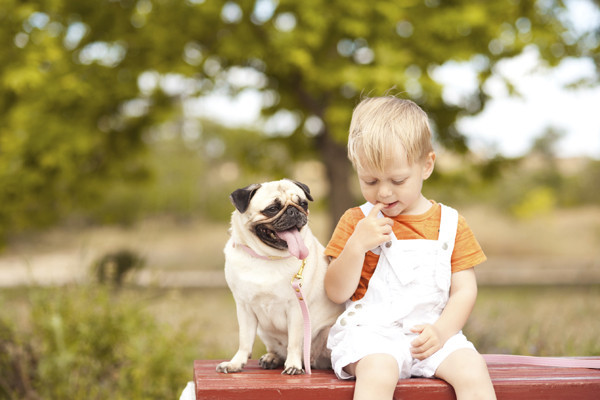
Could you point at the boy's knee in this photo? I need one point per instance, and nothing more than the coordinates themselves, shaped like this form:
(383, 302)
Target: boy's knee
(378, 368)
(467, 372)
(376, 377)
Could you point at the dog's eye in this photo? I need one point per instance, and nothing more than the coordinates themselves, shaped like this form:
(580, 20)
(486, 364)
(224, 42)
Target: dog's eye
(304, 204)
(271, 211)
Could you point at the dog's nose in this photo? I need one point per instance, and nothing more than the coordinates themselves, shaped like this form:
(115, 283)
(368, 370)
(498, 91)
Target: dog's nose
(291, 212)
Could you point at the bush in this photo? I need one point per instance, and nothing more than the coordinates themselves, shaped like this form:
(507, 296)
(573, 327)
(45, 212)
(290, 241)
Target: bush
(17, 364)
(93, 345)
(538, 201)
(113, 268)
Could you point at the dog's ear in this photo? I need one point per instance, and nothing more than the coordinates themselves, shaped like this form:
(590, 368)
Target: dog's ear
(305, 189)
(240, 198)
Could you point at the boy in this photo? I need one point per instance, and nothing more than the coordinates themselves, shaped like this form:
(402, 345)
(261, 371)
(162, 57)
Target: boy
(402, 264)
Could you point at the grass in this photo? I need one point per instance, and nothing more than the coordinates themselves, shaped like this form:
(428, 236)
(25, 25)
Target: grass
(528, 320)
(538, 320)
(140, 342)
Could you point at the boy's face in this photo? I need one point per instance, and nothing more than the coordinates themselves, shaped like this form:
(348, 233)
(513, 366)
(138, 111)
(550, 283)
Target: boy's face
(398, 186)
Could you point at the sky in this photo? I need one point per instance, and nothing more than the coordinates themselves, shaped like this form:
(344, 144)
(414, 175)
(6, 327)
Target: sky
(511, 122)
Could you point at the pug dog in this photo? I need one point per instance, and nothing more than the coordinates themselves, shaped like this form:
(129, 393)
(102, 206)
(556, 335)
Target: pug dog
(269, 238)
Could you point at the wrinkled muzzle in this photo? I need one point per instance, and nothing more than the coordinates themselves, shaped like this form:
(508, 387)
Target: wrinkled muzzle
(283, 231)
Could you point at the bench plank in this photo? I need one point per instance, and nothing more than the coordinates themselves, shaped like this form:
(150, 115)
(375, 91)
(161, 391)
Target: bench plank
(514, 382)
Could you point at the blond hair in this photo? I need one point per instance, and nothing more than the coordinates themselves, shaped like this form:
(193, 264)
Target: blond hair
(380, 125)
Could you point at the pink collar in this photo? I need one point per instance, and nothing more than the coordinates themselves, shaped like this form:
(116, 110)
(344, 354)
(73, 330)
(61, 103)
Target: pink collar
(255, 254)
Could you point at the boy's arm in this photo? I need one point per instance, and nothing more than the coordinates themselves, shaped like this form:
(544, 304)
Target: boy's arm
(343, 273)
(463, 293)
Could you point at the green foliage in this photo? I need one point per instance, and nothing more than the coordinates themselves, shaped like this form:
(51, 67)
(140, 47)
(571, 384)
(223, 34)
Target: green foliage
(583, 187)
(89, 344)
(524, 187)
(64, 132)
(194, 176)
(85, 82)
(538, 201)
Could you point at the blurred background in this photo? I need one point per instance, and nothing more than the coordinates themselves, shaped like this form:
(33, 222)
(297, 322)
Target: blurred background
(125, 124)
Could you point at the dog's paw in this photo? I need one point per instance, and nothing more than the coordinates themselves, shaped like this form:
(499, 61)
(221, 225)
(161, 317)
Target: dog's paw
(293, 370)
(228, 366)
(293, 366)
(270, 361)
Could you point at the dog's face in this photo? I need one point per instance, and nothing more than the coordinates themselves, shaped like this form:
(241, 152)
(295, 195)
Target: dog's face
(275, 212)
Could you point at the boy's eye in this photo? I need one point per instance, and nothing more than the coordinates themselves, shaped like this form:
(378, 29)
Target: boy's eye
(370, 183)
(399, 182)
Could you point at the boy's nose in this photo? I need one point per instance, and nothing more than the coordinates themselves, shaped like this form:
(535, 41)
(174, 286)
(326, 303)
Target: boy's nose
(384, 191)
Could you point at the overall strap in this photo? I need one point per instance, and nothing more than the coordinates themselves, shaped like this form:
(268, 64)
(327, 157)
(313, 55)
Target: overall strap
(367, 207)
(448, 228)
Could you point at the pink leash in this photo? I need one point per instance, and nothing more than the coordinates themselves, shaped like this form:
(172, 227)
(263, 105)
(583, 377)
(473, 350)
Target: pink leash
(566, 362)
(297, 286)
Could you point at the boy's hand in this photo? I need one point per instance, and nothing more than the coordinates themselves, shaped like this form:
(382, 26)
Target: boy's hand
(372, 231)
(427, 343)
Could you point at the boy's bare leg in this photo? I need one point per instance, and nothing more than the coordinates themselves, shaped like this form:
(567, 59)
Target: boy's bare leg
(376, 377)
(467, 372)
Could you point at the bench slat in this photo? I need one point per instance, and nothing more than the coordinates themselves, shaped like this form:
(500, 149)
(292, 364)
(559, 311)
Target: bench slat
(514, 382)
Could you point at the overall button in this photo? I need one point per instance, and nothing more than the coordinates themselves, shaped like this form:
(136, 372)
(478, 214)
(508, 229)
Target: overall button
(343, 322)
(445, 246)
(388, 244)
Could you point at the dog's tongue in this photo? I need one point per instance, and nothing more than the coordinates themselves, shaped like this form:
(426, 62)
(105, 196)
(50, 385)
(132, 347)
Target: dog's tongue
(296, 245)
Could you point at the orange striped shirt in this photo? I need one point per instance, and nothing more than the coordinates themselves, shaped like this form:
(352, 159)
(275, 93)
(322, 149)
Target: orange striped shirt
(467, 252)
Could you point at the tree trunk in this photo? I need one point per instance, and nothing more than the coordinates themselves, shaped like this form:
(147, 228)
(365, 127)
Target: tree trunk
(333, 154)
(339, 170)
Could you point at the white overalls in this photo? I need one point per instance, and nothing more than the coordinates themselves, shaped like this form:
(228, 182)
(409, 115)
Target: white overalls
(410, 286)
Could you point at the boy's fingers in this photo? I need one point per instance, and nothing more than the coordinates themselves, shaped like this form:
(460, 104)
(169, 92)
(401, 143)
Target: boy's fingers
(375, 210)
(418, 342)
(415, 344)
(381, 222)
(422, 338)
(422, 355)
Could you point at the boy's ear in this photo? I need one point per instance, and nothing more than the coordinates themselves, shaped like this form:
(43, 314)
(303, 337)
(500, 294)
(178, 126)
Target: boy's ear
(428, 165)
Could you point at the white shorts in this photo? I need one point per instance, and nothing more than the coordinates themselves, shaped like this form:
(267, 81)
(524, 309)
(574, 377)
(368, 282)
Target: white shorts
(361, 341)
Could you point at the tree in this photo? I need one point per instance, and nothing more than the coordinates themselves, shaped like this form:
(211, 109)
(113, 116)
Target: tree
(321, 56)
(78, 68)
(65, 128)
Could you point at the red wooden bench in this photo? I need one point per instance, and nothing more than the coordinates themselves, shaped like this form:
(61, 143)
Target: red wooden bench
(512, 382)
